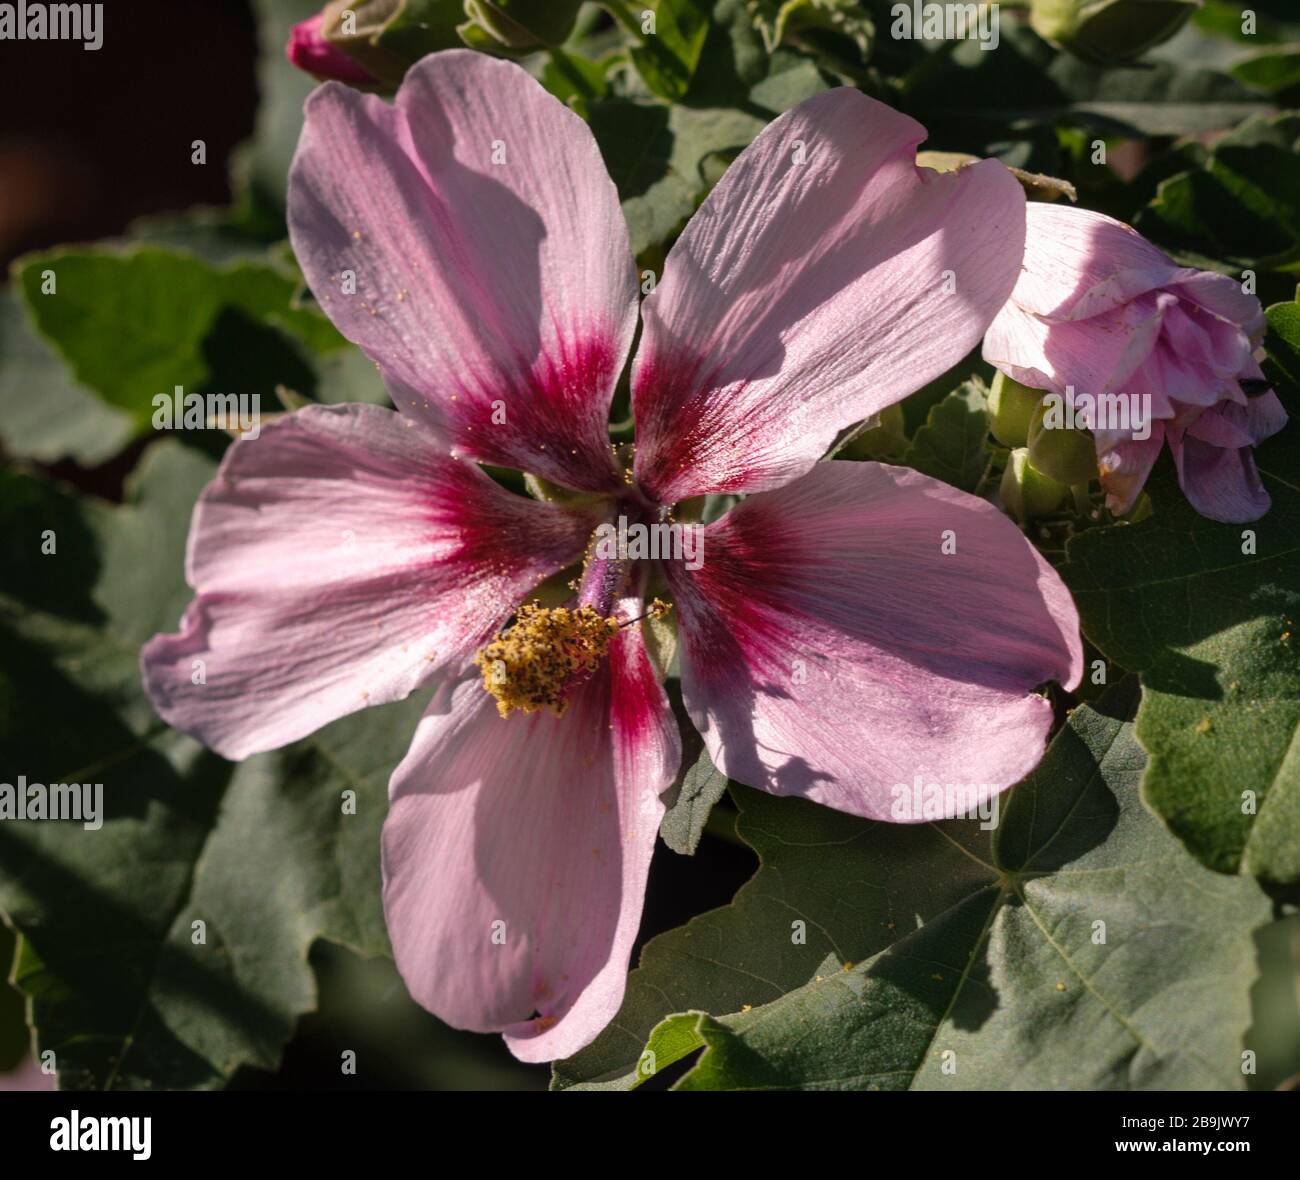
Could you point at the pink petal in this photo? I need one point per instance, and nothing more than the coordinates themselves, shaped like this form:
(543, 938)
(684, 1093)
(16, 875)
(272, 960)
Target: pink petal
(1223, 349)
(341, 560)
(1175, 381)
(1215, 459)
(543, 823)
(1219, 482)
(1223, 297)
(1079, 264)
(498, 298)
(832, 650)
(1125, 464)
(1222, 428)
(1264, 415)
(1095, 356)
(805, 296)
(27, 1077)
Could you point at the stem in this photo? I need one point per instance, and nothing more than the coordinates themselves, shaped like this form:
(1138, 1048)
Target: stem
(984, 479)
(1082, 498)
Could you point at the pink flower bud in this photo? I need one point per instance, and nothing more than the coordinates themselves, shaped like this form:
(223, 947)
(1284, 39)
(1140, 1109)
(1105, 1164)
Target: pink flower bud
(309, 50)
(1142, 351)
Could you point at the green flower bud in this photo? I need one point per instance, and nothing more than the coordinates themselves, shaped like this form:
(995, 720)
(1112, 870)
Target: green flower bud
(885, 438)
(1109, 32)
(524, 24)
(1011, 406)
(371, 43)
(1028, 492)
(1065, 454)
(355, 27)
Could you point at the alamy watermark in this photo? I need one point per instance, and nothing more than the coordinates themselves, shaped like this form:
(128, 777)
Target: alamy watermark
(1130, 412)
(919, 800)
(239, 413)
(922, 20)
(651, 542)
(81, 802)
(102, 1132)
(53, 22)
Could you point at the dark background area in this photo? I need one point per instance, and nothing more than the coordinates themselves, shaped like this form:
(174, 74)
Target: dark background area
(90, 140)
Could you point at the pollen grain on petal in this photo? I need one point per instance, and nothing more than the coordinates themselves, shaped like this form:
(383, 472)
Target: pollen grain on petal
(543, 655)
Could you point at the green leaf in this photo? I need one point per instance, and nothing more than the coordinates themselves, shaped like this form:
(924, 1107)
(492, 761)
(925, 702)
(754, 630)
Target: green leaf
(659, 157)
(691, 798)
(978, 97)
(774, 19)
(656, 154)
(667, 58)
(261, 853)
(1275, 1031)
(1209, 615)
(212, 234)
(417, 27)
(45, 415)
(1271, 71)
(952, 444)
(1221, 18)
(135, 324)
(1077, 948)
(1284, 344)
(573, 78)
(1241, 210)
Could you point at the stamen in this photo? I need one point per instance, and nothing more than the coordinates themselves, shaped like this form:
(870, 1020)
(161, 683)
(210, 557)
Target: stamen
(656, 610)
(543, 655)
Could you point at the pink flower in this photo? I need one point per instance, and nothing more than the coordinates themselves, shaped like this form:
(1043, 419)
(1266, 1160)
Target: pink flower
(312, 52)
(1098, 311)
(830, 647)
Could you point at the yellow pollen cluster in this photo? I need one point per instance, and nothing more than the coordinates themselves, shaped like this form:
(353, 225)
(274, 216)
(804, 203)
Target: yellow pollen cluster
(543, 654)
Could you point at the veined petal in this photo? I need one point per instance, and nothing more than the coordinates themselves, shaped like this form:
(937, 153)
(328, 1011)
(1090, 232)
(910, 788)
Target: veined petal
(824, 278)
(1079, 264)
(1222, 427)
(516, 851)
(1223, 297)
(1094, 356)
(1219, 482)
(340, 560)
(494, 283)
(1220, 348)
(1264, 415)
(1174, 382)
(1124, 463)
(832, 649)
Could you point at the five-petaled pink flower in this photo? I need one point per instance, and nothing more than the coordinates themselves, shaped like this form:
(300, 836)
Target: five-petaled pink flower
(853, 626)
(1099, 311)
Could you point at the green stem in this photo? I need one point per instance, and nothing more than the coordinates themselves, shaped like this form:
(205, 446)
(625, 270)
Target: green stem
(1082, 498)
(984, 479)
